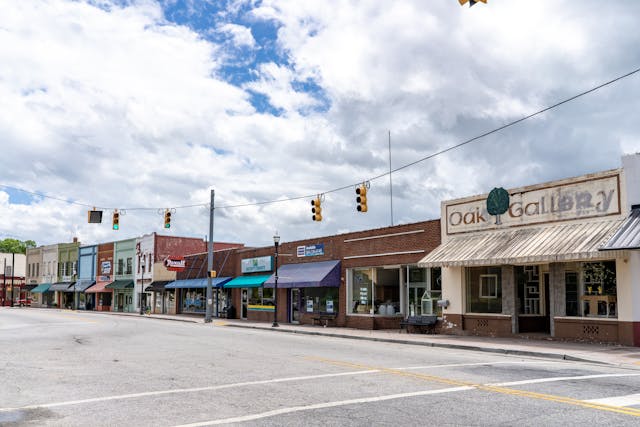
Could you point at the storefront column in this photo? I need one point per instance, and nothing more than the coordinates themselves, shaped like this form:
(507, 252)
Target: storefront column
(509, 295)
(453, 288)
(557, 306)
(628, 296)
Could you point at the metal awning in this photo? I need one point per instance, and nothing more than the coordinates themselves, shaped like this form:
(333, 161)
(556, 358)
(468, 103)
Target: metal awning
(157, 286)
(82, 285)
(551, 243)
(120, 284)
(247, 281)
(29, 287)
(627, 236)
(61, 287)
(42, 288)
(307, 275)
(217, 282)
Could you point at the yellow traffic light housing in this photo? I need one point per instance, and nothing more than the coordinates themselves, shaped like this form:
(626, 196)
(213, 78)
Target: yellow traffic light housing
(471, 2)
(212, 273)
(316, 209)
(116, 220)
(361, 198)
(167, 218)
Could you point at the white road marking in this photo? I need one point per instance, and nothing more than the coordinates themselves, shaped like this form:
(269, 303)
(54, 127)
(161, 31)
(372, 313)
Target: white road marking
(234, 385)
(629, 400)
(456, 365)
(184, 390)
(39, 325)
(554, 379)
(292, 409)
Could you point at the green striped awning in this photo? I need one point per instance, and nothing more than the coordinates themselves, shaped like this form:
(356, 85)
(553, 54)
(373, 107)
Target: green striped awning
(44, 287)
(120, 284)
(247, 281)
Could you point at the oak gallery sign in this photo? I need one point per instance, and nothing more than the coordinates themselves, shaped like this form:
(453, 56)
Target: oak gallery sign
(563, 201)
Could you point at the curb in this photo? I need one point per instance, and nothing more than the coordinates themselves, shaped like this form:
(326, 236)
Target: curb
(554, 356)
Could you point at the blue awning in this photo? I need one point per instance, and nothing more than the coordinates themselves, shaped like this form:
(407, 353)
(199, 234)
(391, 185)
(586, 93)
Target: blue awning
(82, 285)
(61, 287)
(42, 288)
(307, 275)
(218, 282)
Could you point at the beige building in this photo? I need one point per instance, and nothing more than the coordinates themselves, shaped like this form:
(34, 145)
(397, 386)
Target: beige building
(561, 261)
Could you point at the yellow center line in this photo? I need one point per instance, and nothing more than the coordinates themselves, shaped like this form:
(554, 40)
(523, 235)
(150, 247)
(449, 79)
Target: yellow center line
(494, 389)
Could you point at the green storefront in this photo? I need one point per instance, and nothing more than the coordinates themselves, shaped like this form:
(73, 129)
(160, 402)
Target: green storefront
(122, 285)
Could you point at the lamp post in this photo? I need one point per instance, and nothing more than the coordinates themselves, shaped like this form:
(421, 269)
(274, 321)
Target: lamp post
(276, 242)
(142, 265)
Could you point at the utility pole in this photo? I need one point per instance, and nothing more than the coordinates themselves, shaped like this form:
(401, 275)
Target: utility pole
(390, 181)
(13, 273)
(209, 313)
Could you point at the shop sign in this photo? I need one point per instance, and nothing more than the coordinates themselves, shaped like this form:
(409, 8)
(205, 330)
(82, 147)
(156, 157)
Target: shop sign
(175, 263)
(105, 267)
(329, 306)
(561, 202)
(310, 305)
(310, 250)
(254, 265)
(104, 278)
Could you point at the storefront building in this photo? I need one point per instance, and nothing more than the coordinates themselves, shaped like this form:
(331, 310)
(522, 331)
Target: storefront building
(122, 285)
(12, 280)
(255, 300)
(66, 274)
(554, 260)
(367, 279)
(33, 277)
(100, 295)
(49, 275)
(87, 261)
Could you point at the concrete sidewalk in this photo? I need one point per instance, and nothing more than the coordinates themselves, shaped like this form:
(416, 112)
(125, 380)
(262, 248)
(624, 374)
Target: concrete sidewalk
(522, 346)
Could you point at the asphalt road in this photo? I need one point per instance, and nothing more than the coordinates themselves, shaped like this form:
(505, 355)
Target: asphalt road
(63, 368)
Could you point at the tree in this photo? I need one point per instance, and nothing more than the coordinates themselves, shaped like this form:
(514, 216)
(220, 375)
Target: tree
(15, 246)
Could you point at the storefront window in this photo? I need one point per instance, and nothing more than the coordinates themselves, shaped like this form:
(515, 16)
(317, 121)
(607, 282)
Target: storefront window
(571, 293)
(484, 290)
(362, 291)
(324, 300)
(260, 296)
(599, 290)
(425, 289)
(193, 300)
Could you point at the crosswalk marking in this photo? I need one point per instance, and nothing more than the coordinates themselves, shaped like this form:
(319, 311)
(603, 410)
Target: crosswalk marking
(628, 400)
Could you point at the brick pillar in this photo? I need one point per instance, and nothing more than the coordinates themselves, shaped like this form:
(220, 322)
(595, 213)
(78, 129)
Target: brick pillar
(509, 296)
(557, 306)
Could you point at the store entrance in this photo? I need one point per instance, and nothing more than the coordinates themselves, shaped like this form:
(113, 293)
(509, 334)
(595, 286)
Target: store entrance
(533, 296)
(295, 305)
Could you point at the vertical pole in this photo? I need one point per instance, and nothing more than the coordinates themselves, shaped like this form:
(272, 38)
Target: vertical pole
(209, 312)
(390, 181)
(275, 292)
(4, 283)
(13, 273)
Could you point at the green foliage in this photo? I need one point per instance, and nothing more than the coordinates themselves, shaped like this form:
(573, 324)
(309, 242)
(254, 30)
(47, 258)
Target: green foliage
(15, 246)
(497, 201)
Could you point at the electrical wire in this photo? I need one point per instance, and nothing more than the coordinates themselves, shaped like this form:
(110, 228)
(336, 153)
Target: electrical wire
(382, 175)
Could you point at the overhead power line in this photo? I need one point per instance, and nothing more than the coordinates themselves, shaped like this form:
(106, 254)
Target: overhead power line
(344, 187)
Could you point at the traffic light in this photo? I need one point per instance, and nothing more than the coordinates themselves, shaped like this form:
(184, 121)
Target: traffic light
(116, 220)
(167, 218)
(361, 199)
(316, 209)
(471, 2)
(94, 216)
(213, 274)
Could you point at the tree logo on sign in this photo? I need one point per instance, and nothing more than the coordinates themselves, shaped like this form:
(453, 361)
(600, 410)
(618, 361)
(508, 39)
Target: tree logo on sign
(498, 203)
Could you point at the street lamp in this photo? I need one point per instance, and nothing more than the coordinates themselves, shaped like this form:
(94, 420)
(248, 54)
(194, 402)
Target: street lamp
(276, 242)
(142, 265)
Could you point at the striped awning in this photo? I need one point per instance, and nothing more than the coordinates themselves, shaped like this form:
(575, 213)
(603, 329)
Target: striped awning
(551, 243)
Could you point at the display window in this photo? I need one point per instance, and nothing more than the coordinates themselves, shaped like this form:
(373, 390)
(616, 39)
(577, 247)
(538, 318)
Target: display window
(484, 290)
(260, 296)
(320, 300)
(375, 291)
(425, 290)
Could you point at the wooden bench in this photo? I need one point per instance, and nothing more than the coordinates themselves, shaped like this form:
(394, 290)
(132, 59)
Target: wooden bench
(323, 319)
(422, 323)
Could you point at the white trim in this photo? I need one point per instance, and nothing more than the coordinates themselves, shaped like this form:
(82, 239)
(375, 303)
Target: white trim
(384, 254)
(404, 233)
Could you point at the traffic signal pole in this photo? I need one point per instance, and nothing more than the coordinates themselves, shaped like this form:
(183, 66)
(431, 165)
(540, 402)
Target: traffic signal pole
(209, 312)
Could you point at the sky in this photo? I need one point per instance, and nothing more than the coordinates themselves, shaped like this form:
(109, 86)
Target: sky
(149, 105)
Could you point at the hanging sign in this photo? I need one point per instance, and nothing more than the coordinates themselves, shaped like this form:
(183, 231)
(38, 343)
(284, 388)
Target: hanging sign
(175, 263)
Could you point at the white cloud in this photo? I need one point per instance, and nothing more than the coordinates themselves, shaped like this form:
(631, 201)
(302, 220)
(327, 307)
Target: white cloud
(118, 107)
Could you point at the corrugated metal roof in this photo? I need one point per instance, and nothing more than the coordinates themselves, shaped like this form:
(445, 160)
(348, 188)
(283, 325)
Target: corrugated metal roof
(627, 236)
(551, 243)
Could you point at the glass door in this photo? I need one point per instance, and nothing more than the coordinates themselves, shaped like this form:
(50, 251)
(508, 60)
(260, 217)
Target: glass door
(295, 305)
(245, 301)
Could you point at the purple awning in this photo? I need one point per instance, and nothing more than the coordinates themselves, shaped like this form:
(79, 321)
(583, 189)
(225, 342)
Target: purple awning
(307, 275)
